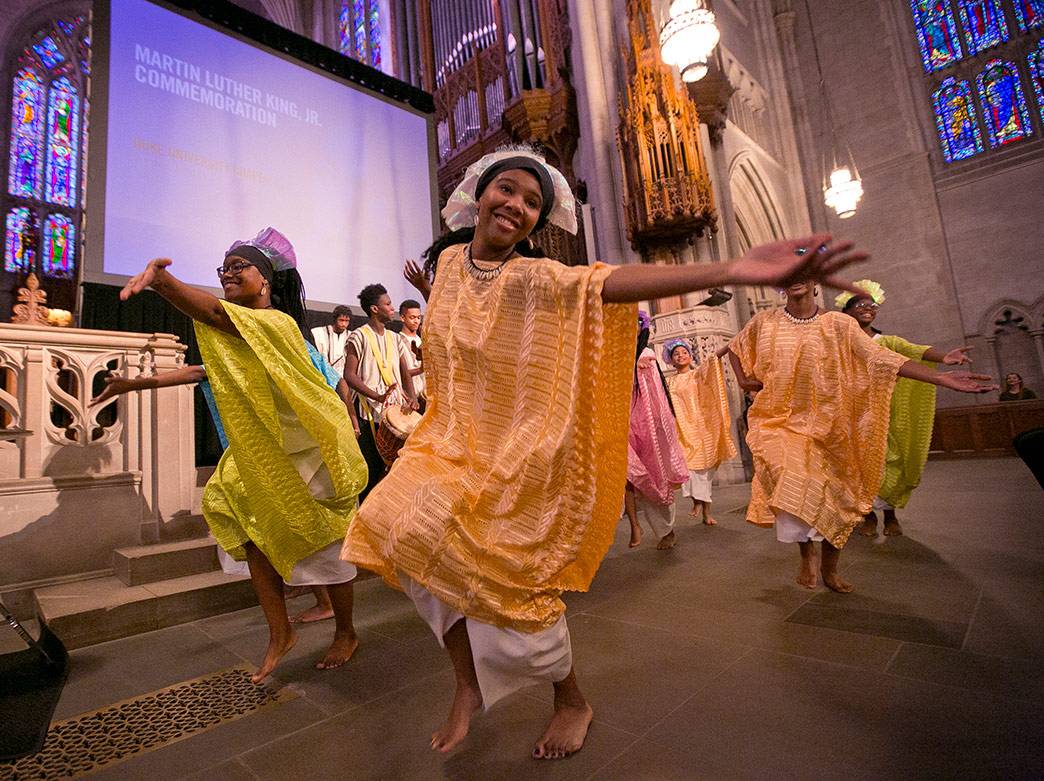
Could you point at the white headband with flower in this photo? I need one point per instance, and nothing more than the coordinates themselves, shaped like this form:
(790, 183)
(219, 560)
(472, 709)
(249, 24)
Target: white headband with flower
(461, 209)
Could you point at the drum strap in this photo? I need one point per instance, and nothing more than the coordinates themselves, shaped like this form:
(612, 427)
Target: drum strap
(382, 357)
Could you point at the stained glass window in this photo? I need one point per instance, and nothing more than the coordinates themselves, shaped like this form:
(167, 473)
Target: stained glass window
(359, 20)
(984, 24)
(47, 50)
(16, 224)
(1030, 14)
(955, 117)
(936, 33)
(59, 236)
(1036, 69)
(25, 171)
(63, 124)
(1003, 105)
(375, 36)
(41, 205)
(344, 23)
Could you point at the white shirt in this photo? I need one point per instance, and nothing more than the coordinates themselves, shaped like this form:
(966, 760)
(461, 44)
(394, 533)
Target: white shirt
(411, 360)
(368, 370)
(331, 345)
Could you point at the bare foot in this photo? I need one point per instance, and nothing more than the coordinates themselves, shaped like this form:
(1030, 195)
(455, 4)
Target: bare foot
(694, 512)
(636, 538)
(339, 652)
(312, 614)
(834, 582)
(273, 654)
(708, 521)
(892, 527)
(869, 526)
(466, 701)
(566, 732)
(667, 542)
(808, 576)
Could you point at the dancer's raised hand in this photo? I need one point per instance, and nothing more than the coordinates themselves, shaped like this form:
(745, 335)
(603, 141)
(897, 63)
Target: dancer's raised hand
(967, 382)
(143, 280)
(783, 263)
(415, 275)
(957, 356)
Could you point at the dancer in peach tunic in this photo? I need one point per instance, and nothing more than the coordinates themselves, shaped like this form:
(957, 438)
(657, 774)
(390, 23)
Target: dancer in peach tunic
(701, 408)
(819, 424)
(509, 491)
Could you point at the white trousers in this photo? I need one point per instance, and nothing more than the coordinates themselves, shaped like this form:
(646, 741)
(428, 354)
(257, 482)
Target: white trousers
(506, 660)
(699, 484)
(322, 568)
(659, 517)
(881, 504)
(790, 528)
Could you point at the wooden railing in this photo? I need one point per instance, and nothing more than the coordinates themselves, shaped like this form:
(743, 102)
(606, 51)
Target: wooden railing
(983, 430)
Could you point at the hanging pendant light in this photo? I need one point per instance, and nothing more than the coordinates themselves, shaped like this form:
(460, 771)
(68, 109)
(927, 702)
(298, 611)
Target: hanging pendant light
(844, 190)
(688, 38)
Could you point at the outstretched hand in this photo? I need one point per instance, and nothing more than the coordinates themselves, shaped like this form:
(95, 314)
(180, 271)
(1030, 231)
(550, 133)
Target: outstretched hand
(114, 386)
(782, 263)
(967, 382)
(144, 279)
(957, 356)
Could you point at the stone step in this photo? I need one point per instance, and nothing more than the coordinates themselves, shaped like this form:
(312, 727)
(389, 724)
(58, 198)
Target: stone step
(93, 611)
(162, 561)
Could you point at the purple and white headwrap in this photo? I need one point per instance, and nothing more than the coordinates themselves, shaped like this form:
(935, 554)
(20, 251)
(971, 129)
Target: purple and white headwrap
(672, 345)
(269, 251)
(644, 321)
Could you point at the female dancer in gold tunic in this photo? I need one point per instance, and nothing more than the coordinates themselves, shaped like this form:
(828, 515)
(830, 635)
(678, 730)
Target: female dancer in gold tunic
(508, 492)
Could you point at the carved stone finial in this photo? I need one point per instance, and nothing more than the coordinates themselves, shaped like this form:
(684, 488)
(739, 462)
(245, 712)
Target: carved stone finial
(31, 308)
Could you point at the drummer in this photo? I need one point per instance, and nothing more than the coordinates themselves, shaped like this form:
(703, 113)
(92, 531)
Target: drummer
(377, 369)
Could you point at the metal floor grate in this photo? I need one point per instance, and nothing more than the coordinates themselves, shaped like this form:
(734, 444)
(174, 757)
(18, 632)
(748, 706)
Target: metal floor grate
(118, 732)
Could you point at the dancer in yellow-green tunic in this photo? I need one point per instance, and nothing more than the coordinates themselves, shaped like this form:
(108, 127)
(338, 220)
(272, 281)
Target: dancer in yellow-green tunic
(286, 488)
(912, 415)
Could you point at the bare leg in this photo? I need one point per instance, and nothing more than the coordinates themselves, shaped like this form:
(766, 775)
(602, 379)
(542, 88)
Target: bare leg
(467, 699)
(320, 611)
(869, 527)
(891, 524)
(707, 520)
(345, 642)
(833, 581)
(695, 512)
(269, 589)
(567, 730)
(807, 576)
(631, 508)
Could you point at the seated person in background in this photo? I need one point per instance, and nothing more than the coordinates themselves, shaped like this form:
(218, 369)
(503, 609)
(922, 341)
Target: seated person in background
(1014, 390)
(331, 340)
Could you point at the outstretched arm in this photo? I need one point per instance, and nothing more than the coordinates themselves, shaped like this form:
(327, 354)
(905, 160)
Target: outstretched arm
(116, 385)
(780, 264)
(197, 304)
(962, 381)
(955, 357)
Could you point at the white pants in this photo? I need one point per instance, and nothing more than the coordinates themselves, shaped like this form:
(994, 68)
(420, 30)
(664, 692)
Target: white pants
(322, 568)
(659, 517)
(699, 485)
(506, 660)
(881, 504)
(790, 528)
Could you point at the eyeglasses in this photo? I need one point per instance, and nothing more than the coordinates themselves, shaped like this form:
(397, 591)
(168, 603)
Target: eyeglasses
(866, 305)
(234, 269)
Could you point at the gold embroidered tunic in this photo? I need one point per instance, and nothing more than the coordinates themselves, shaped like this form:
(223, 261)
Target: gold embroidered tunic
(701, 408)
(509, 491)
(818, 429)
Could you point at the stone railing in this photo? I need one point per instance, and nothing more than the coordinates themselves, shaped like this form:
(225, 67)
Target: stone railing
(77, 481)
(708, 328)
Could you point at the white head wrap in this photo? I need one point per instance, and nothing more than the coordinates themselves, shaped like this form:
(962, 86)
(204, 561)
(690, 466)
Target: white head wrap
(461, 209)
